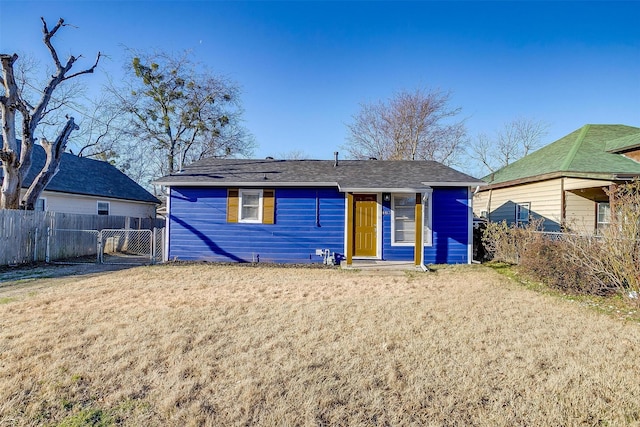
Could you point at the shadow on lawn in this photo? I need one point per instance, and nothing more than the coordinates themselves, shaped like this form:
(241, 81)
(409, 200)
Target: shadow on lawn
(32, 271)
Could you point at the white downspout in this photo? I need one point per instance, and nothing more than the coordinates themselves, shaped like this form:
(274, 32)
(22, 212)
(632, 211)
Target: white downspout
(422, 266)
(470, 226)
(167, 222)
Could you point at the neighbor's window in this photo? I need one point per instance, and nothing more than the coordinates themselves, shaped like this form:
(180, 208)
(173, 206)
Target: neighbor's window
(522, 213)
(250, 206)
(604, 215)
(404, 220)
(103, 208)
(41, 205)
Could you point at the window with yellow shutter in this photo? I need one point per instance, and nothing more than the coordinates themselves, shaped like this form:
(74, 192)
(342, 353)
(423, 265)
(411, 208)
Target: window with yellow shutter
(252, 205)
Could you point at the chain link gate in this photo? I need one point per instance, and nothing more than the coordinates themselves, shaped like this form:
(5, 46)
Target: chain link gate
(126, 246)
(109, 246)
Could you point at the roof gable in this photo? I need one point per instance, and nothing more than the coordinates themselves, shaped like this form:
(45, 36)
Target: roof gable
(348, 174)
(584, 151)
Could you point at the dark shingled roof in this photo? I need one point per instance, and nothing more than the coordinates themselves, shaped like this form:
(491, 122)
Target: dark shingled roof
(349, 174)
(79, 175)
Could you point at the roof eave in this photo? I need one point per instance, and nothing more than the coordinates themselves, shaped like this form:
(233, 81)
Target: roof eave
(264, 183)
(456, 184)
(623, 150)
(553, 175)
(385, 189)
(101, 196)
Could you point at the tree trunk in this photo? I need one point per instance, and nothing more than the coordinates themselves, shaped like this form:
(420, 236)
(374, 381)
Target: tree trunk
(12, 182)
(12, 179)
(51, 167)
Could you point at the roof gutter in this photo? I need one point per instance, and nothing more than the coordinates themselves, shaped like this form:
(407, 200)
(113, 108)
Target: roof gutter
(560, 174)
(265, 183)
(455, 184)
(384, 189)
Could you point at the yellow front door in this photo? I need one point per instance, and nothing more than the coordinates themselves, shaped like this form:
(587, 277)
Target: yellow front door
(365, 230)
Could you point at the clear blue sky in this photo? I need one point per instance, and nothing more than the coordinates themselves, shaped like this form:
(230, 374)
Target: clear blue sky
(305, 66)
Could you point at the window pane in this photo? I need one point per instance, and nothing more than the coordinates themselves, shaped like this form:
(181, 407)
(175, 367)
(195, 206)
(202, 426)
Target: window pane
(604, 213)
(404, 218)
(39, 205)
(103, 208)
(250, 199)
(404, 201)
(405, 213)
(405, 231)
(522, 212)
(250, 212)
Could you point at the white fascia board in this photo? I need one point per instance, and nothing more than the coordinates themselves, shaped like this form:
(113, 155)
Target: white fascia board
(265, 183)
(94, 196)
(384, 190)
(455, 184)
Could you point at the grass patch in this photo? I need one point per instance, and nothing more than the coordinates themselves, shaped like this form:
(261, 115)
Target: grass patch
(220, 345)
(88, 417)
(612, 305)
(6, 300)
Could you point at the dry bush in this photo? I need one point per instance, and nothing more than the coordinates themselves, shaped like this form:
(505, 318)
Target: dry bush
(612, 258)
(546, 259)
(594, 264)
(508, 244)
(219, 345)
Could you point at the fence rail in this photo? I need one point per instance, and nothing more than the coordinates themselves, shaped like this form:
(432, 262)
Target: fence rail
(23, 234)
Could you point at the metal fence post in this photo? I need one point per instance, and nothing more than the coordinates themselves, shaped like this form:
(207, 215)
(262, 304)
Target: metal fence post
(48, 250)
(35, 245)
(153, 246)
(99, 260)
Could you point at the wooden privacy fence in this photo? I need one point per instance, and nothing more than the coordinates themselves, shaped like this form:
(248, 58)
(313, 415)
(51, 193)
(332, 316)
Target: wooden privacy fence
(23, 234)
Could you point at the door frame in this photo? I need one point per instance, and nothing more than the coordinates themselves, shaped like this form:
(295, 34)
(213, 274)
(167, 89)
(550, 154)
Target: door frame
(350, 224)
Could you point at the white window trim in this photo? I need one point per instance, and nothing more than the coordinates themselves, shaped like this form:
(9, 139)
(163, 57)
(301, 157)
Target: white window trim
(393, 220)
(427, 209)
(241, 193)
(519, 206)
(108, 207)
(44, 203)
(427, 235)
(602, 224)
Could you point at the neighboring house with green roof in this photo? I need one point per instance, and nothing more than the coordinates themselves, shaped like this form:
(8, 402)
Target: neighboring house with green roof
(564, 183)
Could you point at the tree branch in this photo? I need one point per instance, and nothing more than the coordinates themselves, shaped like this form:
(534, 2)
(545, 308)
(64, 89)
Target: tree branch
(47, 39)
(87, 71)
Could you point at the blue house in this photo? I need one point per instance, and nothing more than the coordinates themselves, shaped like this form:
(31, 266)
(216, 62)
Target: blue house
(310, 211)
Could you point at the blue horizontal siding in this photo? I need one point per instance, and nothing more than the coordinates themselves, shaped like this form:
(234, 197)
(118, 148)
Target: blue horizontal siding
(199, 229)
(450, 222)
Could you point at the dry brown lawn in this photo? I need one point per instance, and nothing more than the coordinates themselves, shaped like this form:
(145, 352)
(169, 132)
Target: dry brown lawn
(224, 345)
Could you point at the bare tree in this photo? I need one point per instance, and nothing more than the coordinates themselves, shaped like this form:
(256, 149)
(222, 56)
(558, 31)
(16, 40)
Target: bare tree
(294, 154)
(515, 140)
(15, 107)
(102, 134)
(417, 125)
